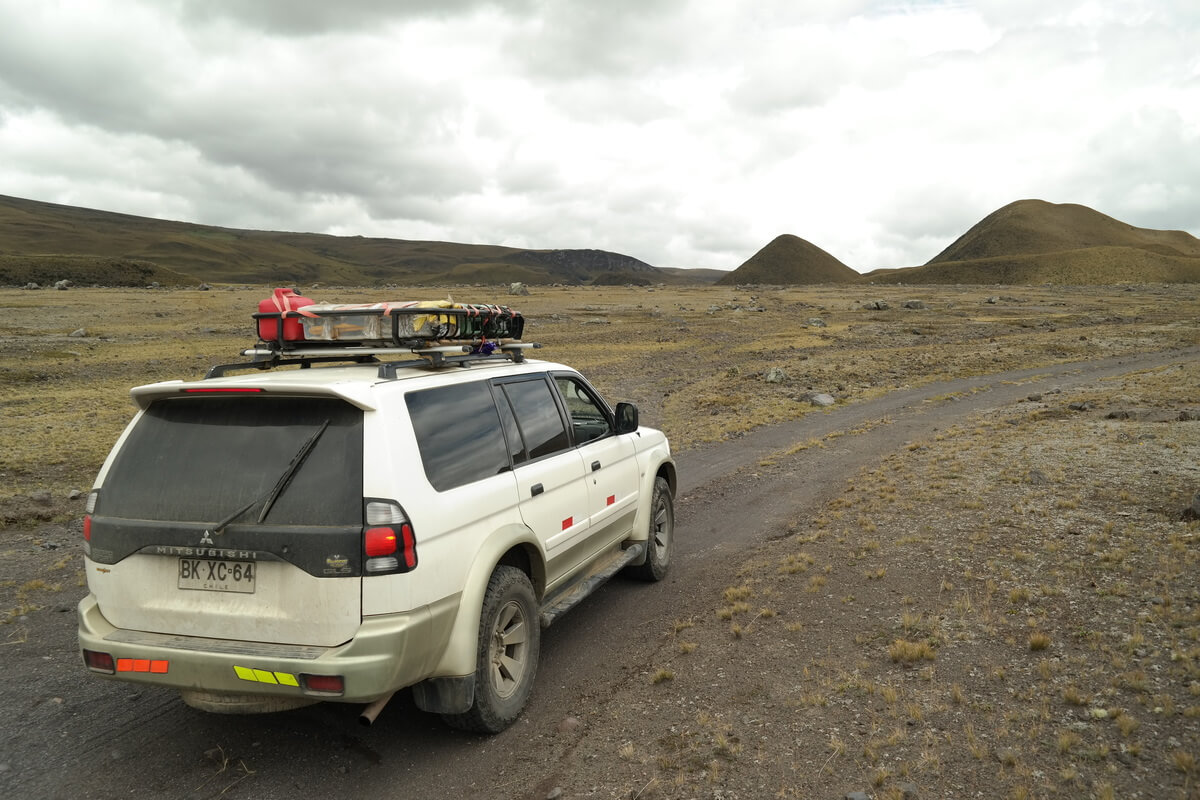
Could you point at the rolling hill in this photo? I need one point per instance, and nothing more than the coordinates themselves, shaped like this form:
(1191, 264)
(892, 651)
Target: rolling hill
(43, 242)
(789, 259)
(1035, 242)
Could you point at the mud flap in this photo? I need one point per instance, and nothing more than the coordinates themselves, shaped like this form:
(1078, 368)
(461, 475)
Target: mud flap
(445, 695)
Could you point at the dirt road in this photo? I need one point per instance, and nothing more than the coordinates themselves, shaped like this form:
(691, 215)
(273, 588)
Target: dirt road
(68, 735)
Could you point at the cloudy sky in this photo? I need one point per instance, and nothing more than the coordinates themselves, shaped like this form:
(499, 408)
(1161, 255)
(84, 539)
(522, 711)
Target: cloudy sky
(682, 132)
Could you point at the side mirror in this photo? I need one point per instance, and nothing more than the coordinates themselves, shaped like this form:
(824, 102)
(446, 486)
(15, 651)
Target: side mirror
(627, 418)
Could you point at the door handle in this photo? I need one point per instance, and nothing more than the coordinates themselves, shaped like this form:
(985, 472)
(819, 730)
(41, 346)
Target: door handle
(595, 466)
(535, 490)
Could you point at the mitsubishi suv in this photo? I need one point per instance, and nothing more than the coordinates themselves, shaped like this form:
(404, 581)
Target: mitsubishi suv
(358, 525)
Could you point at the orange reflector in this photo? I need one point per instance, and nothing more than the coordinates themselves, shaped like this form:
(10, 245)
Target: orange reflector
(142, 665)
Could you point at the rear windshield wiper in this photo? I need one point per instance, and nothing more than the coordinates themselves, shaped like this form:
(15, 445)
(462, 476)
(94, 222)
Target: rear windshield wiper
(268, 500)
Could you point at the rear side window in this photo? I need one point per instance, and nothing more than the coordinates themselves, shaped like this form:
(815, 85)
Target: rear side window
(458, 433)
(202, 458)
(537, 416)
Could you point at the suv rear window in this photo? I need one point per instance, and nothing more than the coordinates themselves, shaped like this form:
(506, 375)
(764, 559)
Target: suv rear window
(202, 458)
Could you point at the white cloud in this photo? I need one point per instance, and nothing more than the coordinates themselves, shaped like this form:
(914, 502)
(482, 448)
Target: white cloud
(682, 132)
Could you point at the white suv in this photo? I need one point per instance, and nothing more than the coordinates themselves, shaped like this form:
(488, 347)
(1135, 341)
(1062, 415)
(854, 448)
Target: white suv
(266, 540)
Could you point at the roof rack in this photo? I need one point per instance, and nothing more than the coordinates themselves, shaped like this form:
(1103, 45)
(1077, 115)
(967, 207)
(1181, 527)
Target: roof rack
(432, 356)
(398, 324)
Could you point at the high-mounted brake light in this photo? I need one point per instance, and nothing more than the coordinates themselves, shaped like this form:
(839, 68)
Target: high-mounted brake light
(388, 540)
(224, 390)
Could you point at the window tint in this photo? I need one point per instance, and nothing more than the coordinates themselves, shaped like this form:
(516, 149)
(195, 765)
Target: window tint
(458, 434)
(200, 459)
(589, 417)
(537, 416)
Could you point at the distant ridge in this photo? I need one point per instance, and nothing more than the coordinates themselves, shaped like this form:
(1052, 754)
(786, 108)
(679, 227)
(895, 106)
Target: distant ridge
(91, 246)
(787, 260)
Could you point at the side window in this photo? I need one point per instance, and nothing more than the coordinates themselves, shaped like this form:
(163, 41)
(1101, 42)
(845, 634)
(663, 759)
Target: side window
(537, 416)
(458, 434)
(589, 418)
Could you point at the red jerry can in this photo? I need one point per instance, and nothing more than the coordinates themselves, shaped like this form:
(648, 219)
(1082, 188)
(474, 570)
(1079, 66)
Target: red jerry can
(282, 302)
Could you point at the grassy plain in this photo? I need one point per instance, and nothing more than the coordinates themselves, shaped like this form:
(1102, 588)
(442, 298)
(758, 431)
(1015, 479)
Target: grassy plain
(694, 359)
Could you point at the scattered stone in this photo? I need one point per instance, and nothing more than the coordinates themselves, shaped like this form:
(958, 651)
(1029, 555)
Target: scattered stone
(1034, 398)
(204, 287)
(41, 498)
(915, 304)
(1189, 415)
(1037, 478)
(554, 793)
(78, 333)
(569, 724)
(1080, 406)
(992, 300)
(909, 791)
(816, 322)
(49, 545)
(518, 288)
(31, 285)
(595, 321)
(775, 375)
(821, 399)
(1193, 511)
(878, 305)
(857, 796)
(74, 494)
(1145, 415)
(154, 285)
(63, 285)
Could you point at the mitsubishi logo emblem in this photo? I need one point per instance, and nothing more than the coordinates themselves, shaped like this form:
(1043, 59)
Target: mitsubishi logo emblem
(207, 538)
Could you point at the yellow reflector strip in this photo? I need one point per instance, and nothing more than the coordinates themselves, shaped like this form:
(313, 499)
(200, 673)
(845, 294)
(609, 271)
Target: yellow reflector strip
(266, 676)
(262, 676)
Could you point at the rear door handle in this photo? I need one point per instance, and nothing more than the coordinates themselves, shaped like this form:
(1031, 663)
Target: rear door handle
(535, 490)
(595, 466)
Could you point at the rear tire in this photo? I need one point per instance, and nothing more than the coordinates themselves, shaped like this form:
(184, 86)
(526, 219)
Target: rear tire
(661, 539)
(509, 642)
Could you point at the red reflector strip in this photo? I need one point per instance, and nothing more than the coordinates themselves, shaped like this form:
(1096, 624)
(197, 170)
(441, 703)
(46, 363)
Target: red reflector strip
(410, 546)
(142, 665)
(216, 390)
(612, 498)
(87, 528)
(568, 522)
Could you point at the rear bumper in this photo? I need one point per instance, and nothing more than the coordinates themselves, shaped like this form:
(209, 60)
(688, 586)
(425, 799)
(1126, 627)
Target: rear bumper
(387, 653)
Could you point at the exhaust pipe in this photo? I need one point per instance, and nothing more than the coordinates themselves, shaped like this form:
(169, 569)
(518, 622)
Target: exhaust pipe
(367, 717)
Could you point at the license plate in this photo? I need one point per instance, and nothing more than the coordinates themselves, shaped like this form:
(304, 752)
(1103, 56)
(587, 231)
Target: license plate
(217, 576)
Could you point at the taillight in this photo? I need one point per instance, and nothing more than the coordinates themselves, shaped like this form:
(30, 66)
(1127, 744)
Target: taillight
(323, 684)
(88, 510)
(379, 542)
(388, 541)
(99, 662)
